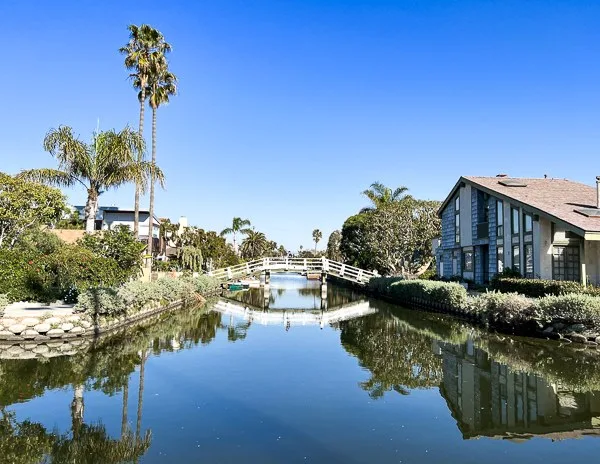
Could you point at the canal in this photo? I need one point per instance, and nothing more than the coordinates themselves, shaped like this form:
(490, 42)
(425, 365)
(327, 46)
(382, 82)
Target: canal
(299, 374)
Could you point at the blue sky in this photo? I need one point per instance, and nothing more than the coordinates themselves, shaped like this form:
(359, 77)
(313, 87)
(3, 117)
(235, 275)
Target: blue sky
(289, 109)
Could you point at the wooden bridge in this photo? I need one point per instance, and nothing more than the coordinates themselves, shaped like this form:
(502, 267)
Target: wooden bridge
(321, 266)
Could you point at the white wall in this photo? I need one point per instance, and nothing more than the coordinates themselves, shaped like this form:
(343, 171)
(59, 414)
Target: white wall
(113, 219)
(543, 249)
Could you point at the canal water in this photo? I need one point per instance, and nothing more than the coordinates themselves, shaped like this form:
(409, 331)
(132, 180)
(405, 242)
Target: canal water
(303, 374)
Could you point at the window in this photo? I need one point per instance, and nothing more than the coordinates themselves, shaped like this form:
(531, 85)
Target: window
(527, 223)
(500, 259)
(515, 221)
(565, 263)
(516, 258)
(528, 251)
(500, 218)
(457, 219)
(468, 261)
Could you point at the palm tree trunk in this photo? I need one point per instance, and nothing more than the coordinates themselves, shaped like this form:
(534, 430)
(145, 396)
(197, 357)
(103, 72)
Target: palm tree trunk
(77, 408)
(125, 407)
(90, 211)
(151, 223)
(136, 214)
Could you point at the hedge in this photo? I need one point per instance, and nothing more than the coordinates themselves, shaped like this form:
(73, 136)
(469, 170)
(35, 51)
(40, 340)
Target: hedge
(537, 288)
(448, 293)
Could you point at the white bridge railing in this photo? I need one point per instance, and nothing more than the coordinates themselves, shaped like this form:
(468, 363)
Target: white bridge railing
(308, 265)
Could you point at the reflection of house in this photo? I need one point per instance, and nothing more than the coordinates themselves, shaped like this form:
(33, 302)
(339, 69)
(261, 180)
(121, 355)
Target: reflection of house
(544, 228)
(489, 399)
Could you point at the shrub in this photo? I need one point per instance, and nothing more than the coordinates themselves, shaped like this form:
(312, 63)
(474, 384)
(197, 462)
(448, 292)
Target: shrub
(4, 302)
(451, 294)
(571, 308)
(15, 275)
(503, 308)
(99, 302)
(537, 288)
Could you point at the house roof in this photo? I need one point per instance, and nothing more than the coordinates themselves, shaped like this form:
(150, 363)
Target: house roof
(561, 199)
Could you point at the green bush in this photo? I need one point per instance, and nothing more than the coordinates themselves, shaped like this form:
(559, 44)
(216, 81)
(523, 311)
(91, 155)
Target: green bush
(101, 302)
(571, 308)
(4, 302)
(503, 308)
(15, 275)
(538, 288)
(448, 293)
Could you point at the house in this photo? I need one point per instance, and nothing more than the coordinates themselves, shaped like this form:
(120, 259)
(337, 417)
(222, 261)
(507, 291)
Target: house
(543, 228)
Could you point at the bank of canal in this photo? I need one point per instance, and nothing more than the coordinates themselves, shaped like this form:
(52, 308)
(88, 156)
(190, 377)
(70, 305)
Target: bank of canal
(241, 384)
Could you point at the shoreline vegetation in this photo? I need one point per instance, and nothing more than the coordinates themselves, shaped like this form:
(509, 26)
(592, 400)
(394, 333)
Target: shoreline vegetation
(569, 316)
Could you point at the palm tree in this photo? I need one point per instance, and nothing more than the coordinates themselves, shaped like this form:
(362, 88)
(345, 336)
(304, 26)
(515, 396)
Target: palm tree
(238, 225)
(109, 161)
(381, 196)
(161, 85)
(143, 42)
(317, 235)
(254, 245)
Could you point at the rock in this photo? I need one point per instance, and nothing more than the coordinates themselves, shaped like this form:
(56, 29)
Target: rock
(41, 338)
(559, 325)
(28, 355)
(42, 328)
(53, 320)
(77, 330)
(55, 344)
(591, 343)
(29, 346)
(6, 322)
(68, 335)
(73, 318)
(5, 333)
(67, 326)
(65, 347)
(55, 333)
(41, 348)
(29, 334)
(85, 324)
(548, 329)
(1, 327)
(16, 329)
(577, 338)
(15, 350)
(576, 328)
(30, 321)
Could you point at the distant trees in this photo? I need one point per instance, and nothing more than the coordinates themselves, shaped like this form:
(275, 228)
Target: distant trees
(382, 196)
(238, 226)
(317, 235)
(109, 161)
(254, 245)
(333, 246)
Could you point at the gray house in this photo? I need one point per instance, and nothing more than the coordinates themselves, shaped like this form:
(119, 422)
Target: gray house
(543, 228)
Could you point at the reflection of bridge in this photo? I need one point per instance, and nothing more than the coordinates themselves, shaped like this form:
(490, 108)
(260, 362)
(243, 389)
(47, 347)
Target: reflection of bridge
(311, 266)
(295, 317)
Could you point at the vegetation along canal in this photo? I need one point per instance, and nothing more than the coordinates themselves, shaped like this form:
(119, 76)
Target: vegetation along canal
(302, 375)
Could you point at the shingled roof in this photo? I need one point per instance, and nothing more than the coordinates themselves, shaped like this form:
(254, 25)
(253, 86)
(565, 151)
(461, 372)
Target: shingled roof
(560, 198)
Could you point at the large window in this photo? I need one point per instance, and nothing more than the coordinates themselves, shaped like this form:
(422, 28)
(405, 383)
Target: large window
(565, 263)
(516, 258)
(500, 218)
(500, 259)
(514, 222)
(528, 252)
(527, 223)
(457, 219)
(468, 261)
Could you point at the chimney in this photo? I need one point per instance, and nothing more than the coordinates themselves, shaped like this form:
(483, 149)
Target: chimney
(598, 192)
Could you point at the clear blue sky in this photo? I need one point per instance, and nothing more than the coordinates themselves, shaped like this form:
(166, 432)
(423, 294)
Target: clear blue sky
(289, 109)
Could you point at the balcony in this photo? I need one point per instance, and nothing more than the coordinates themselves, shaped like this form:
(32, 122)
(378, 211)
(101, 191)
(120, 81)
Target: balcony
(483, 230)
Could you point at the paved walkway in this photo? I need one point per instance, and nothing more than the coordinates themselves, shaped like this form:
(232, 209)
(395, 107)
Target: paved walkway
(37, 309)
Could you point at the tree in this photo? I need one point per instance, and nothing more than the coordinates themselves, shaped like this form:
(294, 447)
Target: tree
(238, 226)
(109, 161)
(25, 206)
(143, 42)
(254, 245)
(381, 196)
(333, 246)
(161, 85)
(352, 244)
(316, 235)
(398, 237)
(167, 234)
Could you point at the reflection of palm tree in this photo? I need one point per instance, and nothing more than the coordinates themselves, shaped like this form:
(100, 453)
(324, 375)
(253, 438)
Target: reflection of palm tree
(125, 405)
(77, 407)
(140, 395)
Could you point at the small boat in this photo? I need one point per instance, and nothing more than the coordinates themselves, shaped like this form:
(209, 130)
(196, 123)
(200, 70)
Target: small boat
(237, 286)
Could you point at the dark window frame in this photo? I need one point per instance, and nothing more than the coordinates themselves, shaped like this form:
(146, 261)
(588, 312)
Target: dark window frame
(566, 263)
(514, 210)
(500, 218)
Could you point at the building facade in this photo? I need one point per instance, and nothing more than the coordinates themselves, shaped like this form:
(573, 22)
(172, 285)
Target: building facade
(541, 228)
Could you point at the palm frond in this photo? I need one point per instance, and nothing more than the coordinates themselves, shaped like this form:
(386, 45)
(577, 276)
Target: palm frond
(50, 177)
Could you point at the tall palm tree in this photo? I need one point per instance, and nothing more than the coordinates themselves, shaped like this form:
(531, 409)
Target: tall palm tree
(238, 226)
(381, 196)
(254, 245)
(143, 42)
(109, 161)
(317, 235)
(161, 85)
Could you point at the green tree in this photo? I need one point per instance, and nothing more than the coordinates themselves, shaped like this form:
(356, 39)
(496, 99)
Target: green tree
(316, 235)
(353, 245)
(161, 85)
(254, 245)
(72, 222)
(143, 42)
(238, 226)
(25, 206)
(381, 196)
(333, 246)
(109, 161)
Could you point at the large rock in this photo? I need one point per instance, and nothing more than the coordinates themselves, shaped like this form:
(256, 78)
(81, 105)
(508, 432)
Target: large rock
(55, 333)
(85, 324)
(7, 322)
(41, 348)
(5, 333)
(67, 326)
(17, 328)
(74, 318)
(29, 334)
(53, 320)
(15, 350)
(41, 338)
(577, 338)
(30, 321)
(77, 330)
(42, 328)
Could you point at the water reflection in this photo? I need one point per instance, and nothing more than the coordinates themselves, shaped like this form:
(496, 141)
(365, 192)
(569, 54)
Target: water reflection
(493, 386)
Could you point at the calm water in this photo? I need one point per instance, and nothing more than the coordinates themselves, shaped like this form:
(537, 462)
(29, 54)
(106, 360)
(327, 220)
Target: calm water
(291, 377)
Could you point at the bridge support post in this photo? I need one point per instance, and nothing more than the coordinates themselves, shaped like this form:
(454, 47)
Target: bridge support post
(266, 297)
(267, 278)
